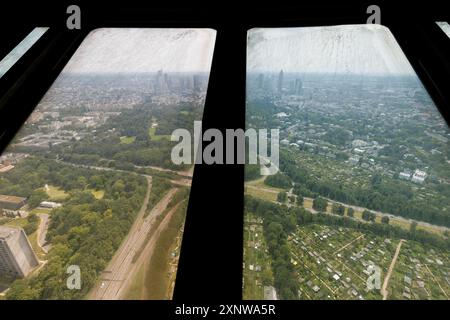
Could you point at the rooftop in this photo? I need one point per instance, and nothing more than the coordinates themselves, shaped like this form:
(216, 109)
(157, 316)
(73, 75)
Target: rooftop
(13, 199)
(5, 232)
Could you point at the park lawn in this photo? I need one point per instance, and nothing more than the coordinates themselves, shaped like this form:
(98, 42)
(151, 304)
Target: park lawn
(257, 188)
(39, 211)
(18, 223)
(55, 193)
(155, 137)
(98, 194)
(258, 182)
(261, 194)
(33, 241)
(307, 203)
(127, 140)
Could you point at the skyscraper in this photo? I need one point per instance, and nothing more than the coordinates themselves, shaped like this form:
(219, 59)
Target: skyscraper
(298, 86)
(280, 83)
(261, 81)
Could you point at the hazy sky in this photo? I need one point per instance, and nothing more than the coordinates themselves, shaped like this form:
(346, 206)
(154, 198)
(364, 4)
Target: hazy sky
(144, 50)
(353, 49)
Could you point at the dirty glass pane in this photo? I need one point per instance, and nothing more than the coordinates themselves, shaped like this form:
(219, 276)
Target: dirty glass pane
(87, 186)
(10, 59)
(360, 205)
(445, 27)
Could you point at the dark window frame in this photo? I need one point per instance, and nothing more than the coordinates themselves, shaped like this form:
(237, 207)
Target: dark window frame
(210, 266)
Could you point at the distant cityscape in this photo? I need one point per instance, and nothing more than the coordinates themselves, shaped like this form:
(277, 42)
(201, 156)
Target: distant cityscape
(99, 97)
(80, 111)
(364, 183)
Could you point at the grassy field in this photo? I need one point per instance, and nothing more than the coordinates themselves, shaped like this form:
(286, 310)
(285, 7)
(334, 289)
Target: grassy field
(127, 140)
(153, 279)
(155, 137)
(39, 211)
(98, 194)
(18, 222)
(33, 241)
(157, 277)
(258, 189)
(55, 193)
(261, 194)
(135, 291)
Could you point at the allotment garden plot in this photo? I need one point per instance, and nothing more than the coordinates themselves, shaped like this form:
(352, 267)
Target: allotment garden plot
(258, 278)
(335, 263)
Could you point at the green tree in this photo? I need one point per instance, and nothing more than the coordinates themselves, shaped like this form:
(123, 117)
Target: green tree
(282, 197)
(350, 212)
(20, 290)
(36, 197)
(320, 204)
(413, 227)
(368, 216)
(385, 220)
(300, 200)
(338, 209)
(278, 180)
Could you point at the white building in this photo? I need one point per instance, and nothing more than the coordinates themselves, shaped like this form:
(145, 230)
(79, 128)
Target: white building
(418, 176)
(354, 160)
(358, 143)
(404, 175)
(50, 204)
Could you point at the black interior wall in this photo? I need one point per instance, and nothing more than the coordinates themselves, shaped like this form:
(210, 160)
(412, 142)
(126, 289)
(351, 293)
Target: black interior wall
(210, 267)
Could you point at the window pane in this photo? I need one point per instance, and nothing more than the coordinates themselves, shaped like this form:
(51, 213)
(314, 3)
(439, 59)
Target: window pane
(360, 206)
(445, 27)
(7, 62)
(89, 177)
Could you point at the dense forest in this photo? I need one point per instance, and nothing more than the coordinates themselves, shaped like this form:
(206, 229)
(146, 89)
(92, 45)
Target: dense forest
(146, 149)
(381, 194)
(86, 231)
(403, 145)
(147, 146)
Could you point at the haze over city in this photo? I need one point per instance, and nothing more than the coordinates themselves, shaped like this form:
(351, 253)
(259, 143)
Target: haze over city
(348, 49)
(128, 50)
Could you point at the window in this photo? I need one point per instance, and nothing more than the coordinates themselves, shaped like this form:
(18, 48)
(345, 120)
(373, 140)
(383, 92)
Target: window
(89, 176)
(359, 208)
(445, 27)
(7, 62)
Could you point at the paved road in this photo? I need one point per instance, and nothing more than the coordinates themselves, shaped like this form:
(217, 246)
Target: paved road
(356, 208)
(181, 182)
(189, 173)
(391, 216)
(42, 231)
